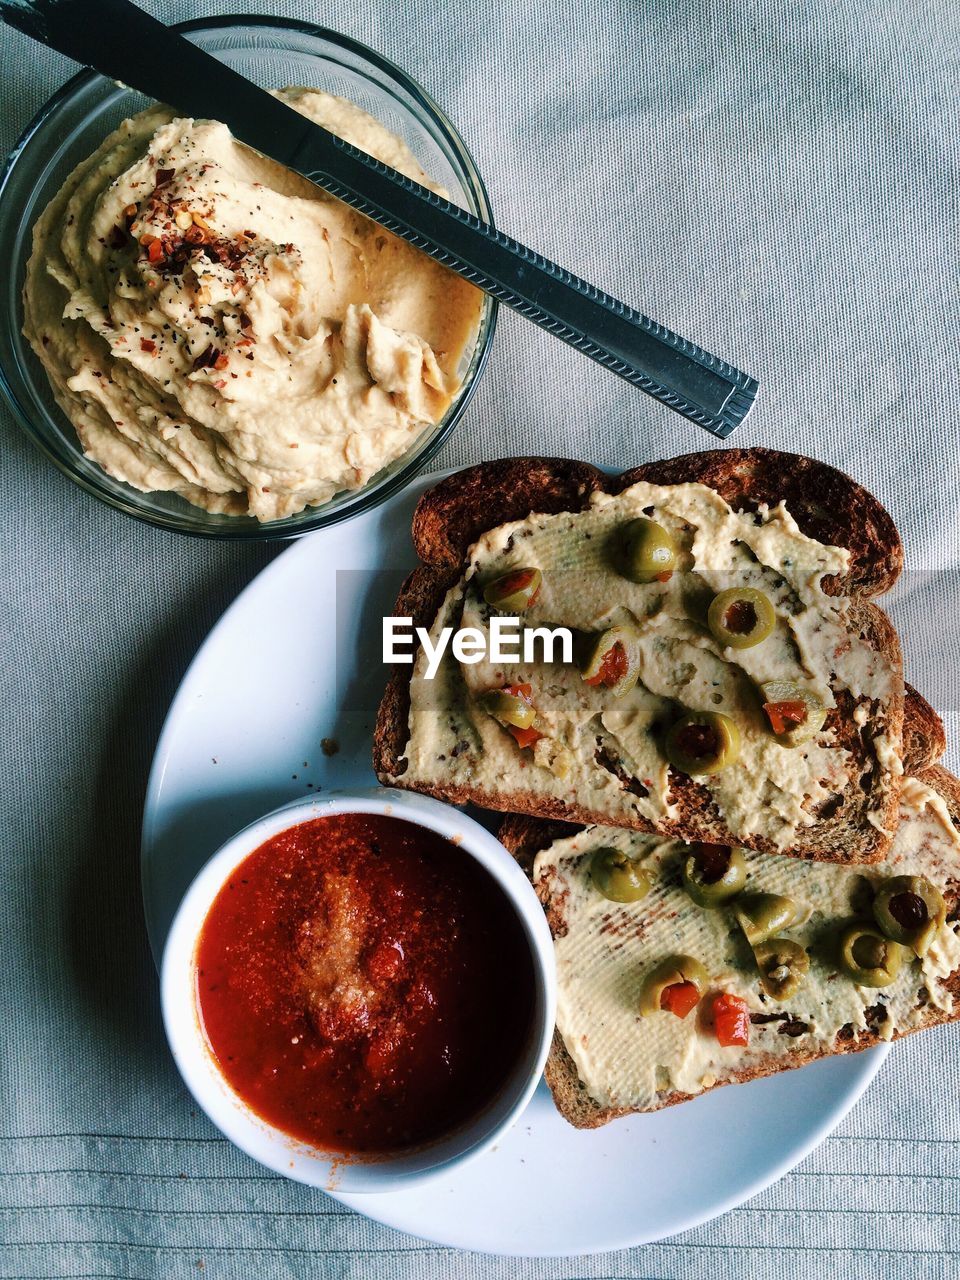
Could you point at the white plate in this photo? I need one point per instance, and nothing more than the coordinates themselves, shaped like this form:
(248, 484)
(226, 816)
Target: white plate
(296, 659)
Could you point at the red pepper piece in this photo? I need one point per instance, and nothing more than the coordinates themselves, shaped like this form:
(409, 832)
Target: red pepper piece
(731, 1020)
(613, 667)
(518, 581)
(524, 691)
(679, 998)
(782, 715)
(525, 737)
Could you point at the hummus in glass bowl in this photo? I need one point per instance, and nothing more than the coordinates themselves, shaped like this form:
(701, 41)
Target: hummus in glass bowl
(221, 333)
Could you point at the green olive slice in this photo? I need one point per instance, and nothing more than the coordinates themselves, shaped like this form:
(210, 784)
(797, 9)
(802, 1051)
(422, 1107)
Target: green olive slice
(514, 591)
(618, 877)
(703, 742)
(910, 910)
(713, 873)
(783, 965)
(762, 915)
(868, 957)
(795, 714)
(611, 659)
(508, 708)
(669, 972)
(644, 551)
(741, 617)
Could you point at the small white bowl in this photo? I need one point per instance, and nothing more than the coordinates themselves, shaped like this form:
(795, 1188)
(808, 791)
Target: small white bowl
(278, 1150)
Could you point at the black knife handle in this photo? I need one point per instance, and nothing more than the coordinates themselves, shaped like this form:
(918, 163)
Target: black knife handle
(675, 371)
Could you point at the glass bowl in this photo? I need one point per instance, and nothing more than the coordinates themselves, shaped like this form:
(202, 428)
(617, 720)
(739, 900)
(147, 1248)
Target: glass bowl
(272, 52)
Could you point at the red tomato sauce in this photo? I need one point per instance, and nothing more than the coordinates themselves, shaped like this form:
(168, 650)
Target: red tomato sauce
(363, 983)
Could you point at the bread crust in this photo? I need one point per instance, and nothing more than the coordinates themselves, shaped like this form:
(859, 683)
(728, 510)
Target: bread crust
(826, 504)
(924, 739)
(525, 836)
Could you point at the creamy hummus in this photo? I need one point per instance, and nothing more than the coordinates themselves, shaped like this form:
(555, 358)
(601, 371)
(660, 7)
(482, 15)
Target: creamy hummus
(605, 949)
(215, 326)
(604, 753)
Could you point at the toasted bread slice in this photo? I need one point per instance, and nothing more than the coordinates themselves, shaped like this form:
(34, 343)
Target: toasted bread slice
(827, 506)
(784, 1042)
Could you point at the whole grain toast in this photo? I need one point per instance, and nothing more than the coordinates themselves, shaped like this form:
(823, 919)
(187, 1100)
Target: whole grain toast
(525, 836)
(826, 504)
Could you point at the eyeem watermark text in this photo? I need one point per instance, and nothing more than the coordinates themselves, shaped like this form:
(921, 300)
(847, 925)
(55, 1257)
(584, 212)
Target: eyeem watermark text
(504, 643)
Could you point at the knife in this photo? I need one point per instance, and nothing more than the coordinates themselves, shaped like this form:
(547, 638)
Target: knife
(123, 42)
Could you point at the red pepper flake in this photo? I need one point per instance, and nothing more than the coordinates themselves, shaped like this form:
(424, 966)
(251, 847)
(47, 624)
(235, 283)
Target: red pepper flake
(163, 177)
(207, 358)
(148, 345)
(221, 362)
(220, 384)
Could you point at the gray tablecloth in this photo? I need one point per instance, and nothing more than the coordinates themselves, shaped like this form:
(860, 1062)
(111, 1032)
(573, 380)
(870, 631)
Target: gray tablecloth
(776, 178)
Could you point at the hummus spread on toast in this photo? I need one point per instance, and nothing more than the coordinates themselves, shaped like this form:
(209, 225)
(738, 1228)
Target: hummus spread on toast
(216, 326)
(603, 753)
(604, 950)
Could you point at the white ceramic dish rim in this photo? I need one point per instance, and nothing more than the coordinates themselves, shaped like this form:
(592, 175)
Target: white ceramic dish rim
(277, 1150)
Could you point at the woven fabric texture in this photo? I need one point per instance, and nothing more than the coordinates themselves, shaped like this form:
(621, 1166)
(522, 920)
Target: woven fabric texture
(776, 179)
